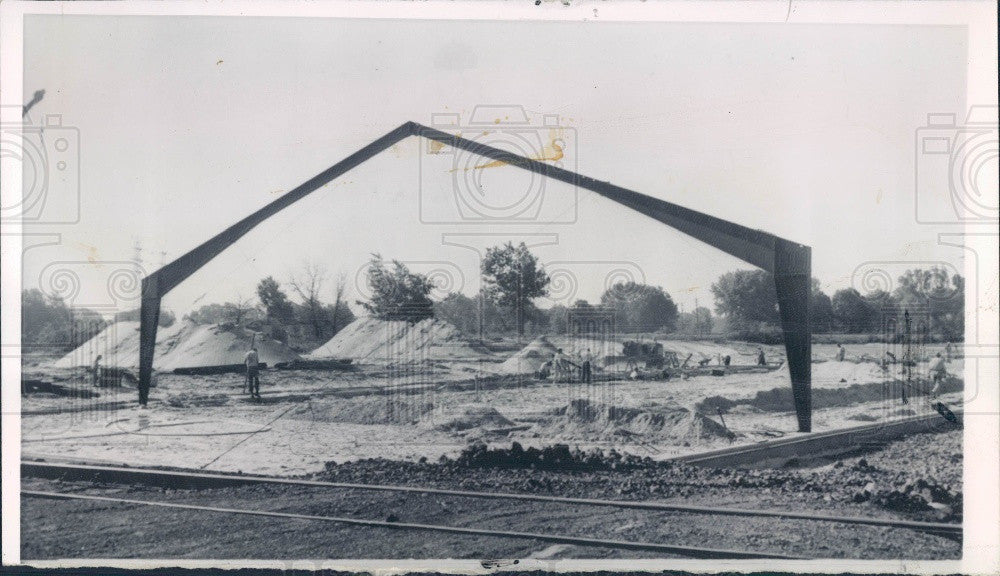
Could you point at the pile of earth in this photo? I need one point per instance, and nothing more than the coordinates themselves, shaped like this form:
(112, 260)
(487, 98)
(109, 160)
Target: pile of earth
(365, 410)
(195, 400)
(203, 345)
(878, 479)
(118, 345)
(181, 345)
(471, 417)
(780, 399)
(529, 359)
(582, 418)
(399, 341)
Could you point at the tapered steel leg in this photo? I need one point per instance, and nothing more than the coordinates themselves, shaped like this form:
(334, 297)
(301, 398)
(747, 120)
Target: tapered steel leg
(793, 283)
(149, 318)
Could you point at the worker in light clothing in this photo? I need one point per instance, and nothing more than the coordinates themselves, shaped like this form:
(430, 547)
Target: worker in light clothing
(96, 376)
(938, 374)
(840, 353)
(561, 364)
(252, 361)
(585, 361)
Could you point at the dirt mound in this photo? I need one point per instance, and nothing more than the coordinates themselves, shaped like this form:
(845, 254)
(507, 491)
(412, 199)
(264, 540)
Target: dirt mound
(200, 345)
(191, 400)
(118, 345)
(469, 417)
(366, 411)
(780, 399)
(584, 419)
(373, 340)
(182, 345)
(530, 358)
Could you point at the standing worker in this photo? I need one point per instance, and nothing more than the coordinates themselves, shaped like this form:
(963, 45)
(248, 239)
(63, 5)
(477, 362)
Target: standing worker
(761, 360)
(840, 352)
(585, 372)
(95, 378)
(938, 374)
(252, 362)
(561, 364)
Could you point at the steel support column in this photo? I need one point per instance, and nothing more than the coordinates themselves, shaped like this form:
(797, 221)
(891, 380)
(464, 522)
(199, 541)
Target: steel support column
(793, 286)
(149, 319)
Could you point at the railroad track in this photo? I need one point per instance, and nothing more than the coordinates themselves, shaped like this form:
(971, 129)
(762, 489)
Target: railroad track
(688, 551)
(191, 479)
(197, 479)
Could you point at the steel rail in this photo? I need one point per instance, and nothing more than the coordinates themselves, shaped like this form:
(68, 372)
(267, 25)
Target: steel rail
(45, 469)
(689, 551)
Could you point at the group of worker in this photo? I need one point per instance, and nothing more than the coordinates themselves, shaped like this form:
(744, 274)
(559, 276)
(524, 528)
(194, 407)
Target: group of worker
(937, 369)
(561, 363)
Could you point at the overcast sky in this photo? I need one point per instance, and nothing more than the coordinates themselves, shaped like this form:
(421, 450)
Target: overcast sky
(189, 123)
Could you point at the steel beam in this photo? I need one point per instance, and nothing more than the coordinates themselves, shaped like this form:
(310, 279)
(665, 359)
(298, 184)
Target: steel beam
(788, 261)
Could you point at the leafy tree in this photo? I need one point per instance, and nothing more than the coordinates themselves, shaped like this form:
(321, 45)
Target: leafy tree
(308, 285)
(745, 298)
(241, 313)
(338, 315)
(277, 306)
(459, 310)
(340, 311)
(398, 294)
(47, 321)
(167, 318)
(820, 309)
(852, 313)
(698, 322)
(938, 293)
(512, 278)
(558, 319)
(641, 307)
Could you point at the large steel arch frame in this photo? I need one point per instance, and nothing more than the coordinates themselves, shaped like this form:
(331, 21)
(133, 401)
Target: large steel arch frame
(787, 261)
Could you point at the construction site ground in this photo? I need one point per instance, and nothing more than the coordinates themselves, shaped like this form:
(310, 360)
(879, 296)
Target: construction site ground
(860, 485)
(309, 417)
(394, 425)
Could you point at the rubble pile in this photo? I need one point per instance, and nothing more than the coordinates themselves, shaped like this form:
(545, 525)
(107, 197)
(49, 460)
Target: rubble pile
(878, 479)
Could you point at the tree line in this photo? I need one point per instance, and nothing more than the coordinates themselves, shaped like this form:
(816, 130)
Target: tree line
(746, 300)
(513, 280)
